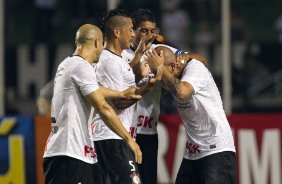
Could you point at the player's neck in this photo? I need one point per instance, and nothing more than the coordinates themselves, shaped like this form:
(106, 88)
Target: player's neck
(83, 54)
(114, 47)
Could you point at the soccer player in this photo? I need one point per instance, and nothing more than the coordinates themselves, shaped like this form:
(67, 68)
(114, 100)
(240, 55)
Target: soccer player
(70, 156)
(148, 108)
(114, 72)
(210, 152)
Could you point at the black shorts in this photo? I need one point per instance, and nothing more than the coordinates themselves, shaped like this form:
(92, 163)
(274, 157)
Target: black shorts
(149, 147)
(219, 168)
(64, 169)
(117, 162)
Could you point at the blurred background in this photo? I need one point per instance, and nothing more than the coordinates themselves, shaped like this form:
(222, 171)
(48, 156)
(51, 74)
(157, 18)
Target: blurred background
(40, 33)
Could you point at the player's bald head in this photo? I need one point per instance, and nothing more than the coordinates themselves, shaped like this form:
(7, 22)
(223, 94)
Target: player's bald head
(86, 33)
(169, 56)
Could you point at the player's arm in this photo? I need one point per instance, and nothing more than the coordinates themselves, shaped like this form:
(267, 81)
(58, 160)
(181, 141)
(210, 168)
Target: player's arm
(199, 57)
(158, 60)
(142, 91)
(111, 119)
(182, 89)
(182, 59)
(129, 93)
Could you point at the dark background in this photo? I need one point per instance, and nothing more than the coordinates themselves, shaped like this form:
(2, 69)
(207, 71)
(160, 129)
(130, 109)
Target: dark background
(256, 81)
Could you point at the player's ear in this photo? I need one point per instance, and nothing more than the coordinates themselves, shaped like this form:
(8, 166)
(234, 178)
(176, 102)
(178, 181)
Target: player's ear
(96, 43)
(116, 32)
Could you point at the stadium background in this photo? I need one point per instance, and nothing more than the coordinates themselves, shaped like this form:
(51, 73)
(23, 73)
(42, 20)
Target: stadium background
(37, 36)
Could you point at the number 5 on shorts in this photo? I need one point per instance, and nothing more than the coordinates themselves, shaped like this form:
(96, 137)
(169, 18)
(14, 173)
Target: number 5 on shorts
(132, 165)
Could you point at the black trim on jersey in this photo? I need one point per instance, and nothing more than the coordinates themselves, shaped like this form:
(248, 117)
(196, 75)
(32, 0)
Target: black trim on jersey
(77, 56)
(112, 52)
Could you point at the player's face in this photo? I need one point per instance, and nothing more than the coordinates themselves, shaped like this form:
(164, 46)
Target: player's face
(177, 72)
(127, 34)
(172, 67)
(145, 29)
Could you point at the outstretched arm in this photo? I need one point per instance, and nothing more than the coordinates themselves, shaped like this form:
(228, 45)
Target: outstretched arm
(129, 94)
(111, 119)
(125, 103)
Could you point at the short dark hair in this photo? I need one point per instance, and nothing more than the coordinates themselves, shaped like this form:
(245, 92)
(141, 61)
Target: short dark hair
(112, 13)
(142, 15)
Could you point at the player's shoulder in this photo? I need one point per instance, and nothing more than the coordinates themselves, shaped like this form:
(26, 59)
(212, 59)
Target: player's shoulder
(196, 63)
(128, 55)
(126, 52)
(196, 67)
(109, 62)
(73, 62)
(109, 56)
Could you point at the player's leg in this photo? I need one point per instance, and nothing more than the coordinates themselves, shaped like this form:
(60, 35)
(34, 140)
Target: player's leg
(64, 169)
(149, 147)
(125, 165)
(188, 172)
(97, 176)
(102, 155)
(119, 161)
(53, 168)
(219, 168)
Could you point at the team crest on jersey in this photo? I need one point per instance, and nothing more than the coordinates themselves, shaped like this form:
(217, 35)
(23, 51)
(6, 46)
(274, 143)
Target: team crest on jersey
(135, 178)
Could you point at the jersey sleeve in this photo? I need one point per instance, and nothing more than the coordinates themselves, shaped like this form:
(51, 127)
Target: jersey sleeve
(196, 74)
(84, 77)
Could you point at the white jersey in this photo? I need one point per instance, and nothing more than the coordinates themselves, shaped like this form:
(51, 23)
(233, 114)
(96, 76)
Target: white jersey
(204, 119)
(115, 73)
(70, 111)
(148, 108)
(148, 111)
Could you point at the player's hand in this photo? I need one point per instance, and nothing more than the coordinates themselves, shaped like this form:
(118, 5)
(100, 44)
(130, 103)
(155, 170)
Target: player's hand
(145, 43)
(154, 59)
(130, 94)
(182, 60)
(144, 69)
(158, 77)
(136, 150)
